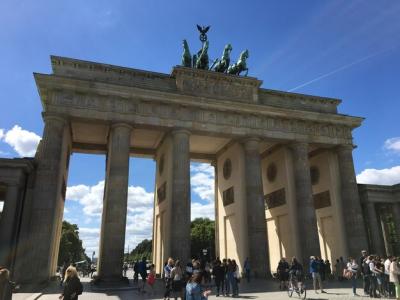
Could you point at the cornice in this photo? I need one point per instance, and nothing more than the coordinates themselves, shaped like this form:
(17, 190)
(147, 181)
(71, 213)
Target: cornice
(47, 83)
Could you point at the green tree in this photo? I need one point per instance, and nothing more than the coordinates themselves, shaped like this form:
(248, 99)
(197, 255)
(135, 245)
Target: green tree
(143, 249)
(71, 249)
(202, 236)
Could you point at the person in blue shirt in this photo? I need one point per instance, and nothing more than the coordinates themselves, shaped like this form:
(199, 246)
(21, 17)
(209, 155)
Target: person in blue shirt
(315, 268)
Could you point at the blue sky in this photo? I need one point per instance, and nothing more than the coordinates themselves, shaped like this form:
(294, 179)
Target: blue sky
(343, 49)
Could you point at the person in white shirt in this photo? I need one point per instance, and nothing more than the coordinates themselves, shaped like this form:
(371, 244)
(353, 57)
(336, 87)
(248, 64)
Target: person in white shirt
(353, 268)
(388, 286)
(394, 273)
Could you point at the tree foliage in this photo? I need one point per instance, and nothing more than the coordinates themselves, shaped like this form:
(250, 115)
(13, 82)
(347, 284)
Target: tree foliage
(71, 249)
(143, 249)
(202, 236)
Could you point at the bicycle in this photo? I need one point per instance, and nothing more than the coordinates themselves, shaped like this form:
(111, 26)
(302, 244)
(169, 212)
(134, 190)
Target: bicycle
(296, 286)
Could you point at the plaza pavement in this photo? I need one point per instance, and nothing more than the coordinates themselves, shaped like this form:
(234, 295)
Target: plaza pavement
(257, 289)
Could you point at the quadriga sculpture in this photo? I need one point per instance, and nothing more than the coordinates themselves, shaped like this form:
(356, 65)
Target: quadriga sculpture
(222, 64)
(240, 65)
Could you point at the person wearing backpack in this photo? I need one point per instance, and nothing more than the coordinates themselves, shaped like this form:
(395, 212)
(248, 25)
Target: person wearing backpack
(73, 286)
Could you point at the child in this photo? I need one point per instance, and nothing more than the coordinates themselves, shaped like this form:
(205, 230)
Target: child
(152, 278)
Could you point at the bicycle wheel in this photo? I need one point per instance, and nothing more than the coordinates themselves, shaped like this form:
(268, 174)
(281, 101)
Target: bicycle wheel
(290, 290)
(303, 293)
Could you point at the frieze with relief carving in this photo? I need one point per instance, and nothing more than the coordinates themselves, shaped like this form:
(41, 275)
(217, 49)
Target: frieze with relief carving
(195, 114)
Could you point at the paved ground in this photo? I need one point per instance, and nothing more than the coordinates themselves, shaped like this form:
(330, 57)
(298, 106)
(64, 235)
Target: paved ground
(258, 289)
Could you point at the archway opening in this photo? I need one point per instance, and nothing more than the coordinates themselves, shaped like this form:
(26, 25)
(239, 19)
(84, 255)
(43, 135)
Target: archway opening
(202, 181)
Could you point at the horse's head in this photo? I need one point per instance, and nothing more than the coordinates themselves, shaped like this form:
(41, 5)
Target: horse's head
(244, 55)
(228, 48)
(185, 44)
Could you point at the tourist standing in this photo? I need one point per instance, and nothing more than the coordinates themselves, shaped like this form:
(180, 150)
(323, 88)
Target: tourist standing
(365, 271)
(72, 286)
(136, 272)
(283, 273)
(142, 270)
(373, 282)
(226, 263)
(235, 279)
(328, 269)
(125, 268)
(177, 276)
(229, 277)
(246, 268)
(5, 284)
(151, 279)
(218, 272)
(194, 290)
(394, 273)
(315, 273)
(167, 277)
(389, 285)
(352, 267)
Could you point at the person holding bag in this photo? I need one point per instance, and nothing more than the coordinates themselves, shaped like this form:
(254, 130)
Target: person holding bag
(352, 269)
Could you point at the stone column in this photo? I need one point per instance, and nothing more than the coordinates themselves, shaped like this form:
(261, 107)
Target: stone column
(46, 200)
(113, 225)
(307, 220)
(353, 218)
(256, 224)
(8, 225)
(377, 243)
(396, 217)
(180, 214)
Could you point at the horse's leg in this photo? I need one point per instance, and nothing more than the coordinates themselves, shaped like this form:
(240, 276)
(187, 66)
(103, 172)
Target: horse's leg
(247, 71)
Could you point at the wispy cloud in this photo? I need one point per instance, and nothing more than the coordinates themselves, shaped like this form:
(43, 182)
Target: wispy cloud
(342, 68)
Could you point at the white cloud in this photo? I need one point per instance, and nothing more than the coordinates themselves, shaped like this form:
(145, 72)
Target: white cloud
(202, 211)
(388, 176)
(139, 217)
(22, 141)
(393, 144)
(202, 181)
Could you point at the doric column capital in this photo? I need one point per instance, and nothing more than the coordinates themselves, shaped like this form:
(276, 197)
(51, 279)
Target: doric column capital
(54, 119)
(117, 125)
(345, 148)
(251, 143)
(180, 131)
(299, 147)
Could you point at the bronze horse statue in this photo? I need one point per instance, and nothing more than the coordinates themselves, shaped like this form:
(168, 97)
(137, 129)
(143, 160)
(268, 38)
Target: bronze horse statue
(201, 61)
(241, 65)
(221, 65)
(186, 56)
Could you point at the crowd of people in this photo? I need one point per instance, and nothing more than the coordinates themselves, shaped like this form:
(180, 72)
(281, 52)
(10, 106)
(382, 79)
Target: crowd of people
(193, 281)
(380, 275)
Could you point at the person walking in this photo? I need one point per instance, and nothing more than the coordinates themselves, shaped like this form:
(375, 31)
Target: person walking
(73, 286)
(352, 267)
(225, 283)
(142, 270)
(315, 274)
(283, 273)
(394, 273)
(218, 272)
(389, 286)
(246, 268)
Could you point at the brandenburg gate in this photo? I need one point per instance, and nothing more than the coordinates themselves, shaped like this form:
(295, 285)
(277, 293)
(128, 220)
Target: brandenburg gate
(284, 174)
